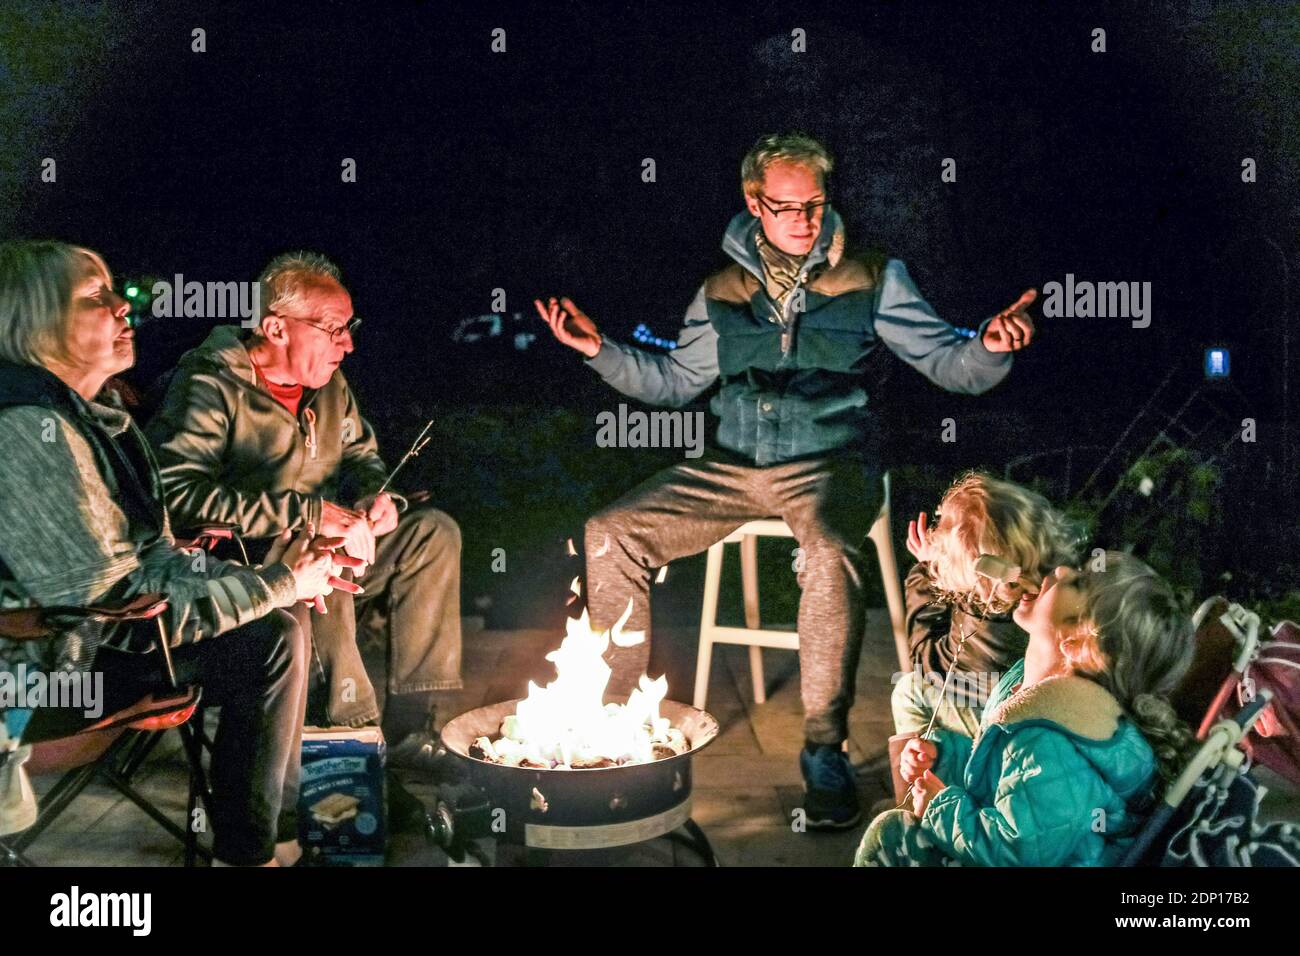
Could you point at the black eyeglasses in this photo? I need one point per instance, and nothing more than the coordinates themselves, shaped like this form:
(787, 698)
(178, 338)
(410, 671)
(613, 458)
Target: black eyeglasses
(335, 334)
(809, 209)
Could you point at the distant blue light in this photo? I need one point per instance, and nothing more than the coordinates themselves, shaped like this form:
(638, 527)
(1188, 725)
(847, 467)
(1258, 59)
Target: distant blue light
(1217, 363)
(968, 333)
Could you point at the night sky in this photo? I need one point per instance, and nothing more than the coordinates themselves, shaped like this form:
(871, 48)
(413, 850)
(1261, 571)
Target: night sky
(522, 171)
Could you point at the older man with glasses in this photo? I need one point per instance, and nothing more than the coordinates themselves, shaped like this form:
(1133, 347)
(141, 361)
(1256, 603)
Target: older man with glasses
(786, 329)
(262, 431)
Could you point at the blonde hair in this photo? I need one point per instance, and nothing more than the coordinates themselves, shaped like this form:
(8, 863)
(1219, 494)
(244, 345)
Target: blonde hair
(1135, 640)
(797, 148)
(980, 514)
(36, 282)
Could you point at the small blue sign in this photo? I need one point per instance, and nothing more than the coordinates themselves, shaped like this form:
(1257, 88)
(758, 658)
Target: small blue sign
(1217, 364)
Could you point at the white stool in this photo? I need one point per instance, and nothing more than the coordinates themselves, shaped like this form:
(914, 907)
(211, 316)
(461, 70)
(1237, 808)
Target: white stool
(753, 634)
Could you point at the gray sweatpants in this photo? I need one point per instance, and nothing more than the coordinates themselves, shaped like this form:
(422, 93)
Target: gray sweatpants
(829, 504)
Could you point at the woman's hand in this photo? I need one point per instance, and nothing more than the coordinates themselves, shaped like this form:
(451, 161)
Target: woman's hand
(918, 756)
(570, 325)
(314, 565)
(279, 546)
(924, 789)
(919, 537)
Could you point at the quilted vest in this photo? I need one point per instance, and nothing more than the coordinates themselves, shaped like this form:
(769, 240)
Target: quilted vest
(793, 388)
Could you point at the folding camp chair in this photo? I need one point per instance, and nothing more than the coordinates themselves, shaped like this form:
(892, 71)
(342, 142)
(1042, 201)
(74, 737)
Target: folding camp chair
(206, 537)
(111, 749)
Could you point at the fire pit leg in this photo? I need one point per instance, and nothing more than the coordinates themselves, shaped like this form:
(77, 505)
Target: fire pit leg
(694, 838)
(536, 858)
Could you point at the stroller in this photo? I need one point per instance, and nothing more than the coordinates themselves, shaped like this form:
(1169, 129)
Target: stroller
(1208, 816)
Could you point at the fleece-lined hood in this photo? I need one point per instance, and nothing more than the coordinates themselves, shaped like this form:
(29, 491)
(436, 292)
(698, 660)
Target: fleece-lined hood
(738, 241)
(1084, 708)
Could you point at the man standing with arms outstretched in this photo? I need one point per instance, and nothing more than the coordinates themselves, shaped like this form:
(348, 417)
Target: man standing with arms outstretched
(787, 328)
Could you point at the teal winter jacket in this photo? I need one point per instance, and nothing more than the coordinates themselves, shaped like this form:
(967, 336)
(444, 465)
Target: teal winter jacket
(1058, 776)
(794, 380)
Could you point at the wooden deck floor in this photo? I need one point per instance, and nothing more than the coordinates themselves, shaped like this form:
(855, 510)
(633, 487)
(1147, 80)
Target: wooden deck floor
(747, 783)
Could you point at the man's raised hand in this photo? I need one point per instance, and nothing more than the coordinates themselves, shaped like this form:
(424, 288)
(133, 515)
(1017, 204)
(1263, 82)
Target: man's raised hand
(570, 325)
(1012, 328)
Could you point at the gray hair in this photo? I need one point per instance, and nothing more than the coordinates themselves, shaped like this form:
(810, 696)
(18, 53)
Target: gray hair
(288, 277)
(36, 282)
(797, 148)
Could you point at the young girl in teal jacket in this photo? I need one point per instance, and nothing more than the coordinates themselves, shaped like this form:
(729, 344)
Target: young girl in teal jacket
(1073, 741)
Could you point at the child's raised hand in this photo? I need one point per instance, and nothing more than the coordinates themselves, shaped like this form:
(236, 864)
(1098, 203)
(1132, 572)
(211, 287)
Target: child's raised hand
(918, 538)
(924, 789)
(918, 756)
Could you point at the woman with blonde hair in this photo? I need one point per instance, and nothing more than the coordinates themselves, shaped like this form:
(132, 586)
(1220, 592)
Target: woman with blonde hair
(1073, 743)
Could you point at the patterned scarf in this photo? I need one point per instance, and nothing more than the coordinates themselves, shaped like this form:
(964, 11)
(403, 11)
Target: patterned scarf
(781, 270)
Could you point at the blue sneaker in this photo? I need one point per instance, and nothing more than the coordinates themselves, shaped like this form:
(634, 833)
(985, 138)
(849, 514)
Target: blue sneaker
(830, 788)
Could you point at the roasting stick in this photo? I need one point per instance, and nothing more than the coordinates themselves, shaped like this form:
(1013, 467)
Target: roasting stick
(934, 716)
(416, 447)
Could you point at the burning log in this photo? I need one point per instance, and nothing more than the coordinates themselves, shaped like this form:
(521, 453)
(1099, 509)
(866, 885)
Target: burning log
(509, 752)
(566, 724)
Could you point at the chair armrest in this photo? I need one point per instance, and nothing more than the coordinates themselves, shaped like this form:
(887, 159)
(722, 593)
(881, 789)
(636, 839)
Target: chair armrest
(206, 535)
(225, 530)
(30, 623)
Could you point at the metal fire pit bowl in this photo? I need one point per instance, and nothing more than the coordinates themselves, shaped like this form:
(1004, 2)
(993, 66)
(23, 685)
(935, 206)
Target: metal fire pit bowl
(585, 809)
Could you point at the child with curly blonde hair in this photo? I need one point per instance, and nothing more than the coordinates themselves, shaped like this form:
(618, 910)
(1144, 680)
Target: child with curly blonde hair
(1071, 744)
(948, 602)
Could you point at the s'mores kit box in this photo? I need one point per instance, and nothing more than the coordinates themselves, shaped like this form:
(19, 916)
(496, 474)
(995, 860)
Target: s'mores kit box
(341, 795)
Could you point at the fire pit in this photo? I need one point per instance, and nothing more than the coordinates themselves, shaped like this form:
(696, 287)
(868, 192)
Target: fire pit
(567, 769)
(584, 809)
